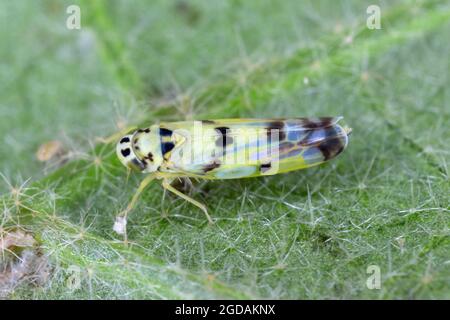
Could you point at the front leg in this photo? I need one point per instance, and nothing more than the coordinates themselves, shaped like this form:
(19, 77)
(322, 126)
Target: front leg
(115, 136)
(121, 219)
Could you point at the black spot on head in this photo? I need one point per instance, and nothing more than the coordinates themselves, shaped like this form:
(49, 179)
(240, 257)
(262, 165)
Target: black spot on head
(125, 152)
(265, 167)
(163, 132)
(276, 125)
(211, 166)
(166, 147)
(125, 140)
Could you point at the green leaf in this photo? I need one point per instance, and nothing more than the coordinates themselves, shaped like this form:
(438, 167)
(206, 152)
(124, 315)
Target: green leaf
(305, 235)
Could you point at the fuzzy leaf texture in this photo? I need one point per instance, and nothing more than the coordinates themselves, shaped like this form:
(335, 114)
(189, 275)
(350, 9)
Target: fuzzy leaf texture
(307, 235)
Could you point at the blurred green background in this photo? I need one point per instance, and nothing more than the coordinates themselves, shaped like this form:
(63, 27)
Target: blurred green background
(311, 234)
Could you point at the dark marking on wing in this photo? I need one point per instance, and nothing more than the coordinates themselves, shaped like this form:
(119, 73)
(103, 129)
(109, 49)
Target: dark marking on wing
(276, 125)
(147, 130)
(332, 145)
(320, 123)
(207, 121)
(317, 136)
(211, 166)
(167, 147)
(265, 167)
(125, 152)
(309, 124)
(331, 148)
(124, 140)
(326, 121)
(163, 132)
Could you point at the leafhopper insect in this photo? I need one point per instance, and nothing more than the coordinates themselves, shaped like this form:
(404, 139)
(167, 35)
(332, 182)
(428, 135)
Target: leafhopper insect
(228, 149)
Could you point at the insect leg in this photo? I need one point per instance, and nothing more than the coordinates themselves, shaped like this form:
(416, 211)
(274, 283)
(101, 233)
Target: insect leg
(120, 225)
(144, 183)
(163, 209)
(166, 185)
(115, 136)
